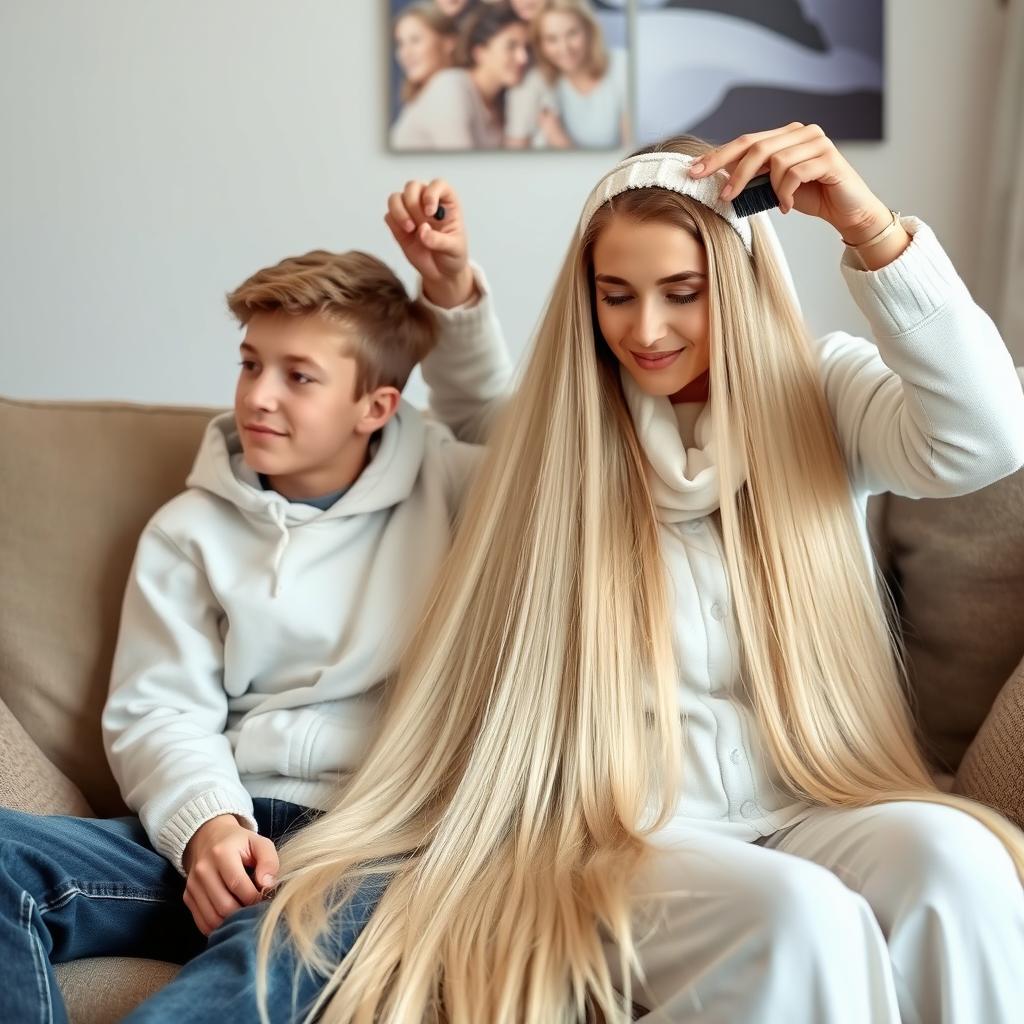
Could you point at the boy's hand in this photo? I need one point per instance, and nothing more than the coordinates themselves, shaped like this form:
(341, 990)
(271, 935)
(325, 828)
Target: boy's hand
(216, 858)
(438, 249)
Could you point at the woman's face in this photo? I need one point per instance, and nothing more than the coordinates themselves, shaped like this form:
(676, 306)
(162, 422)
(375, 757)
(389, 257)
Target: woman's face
(652, 302)
(452, 8)
(505, 57)
(419, 50)
(527, 9)
(563, 40)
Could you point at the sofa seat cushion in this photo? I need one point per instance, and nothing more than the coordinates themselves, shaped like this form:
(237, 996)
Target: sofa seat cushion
(103, 990)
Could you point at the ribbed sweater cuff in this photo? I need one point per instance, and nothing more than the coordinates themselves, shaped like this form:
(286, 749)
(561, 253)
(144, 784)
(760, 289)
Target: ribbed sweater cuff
(461, 324)
(175, 834)
(900, 296)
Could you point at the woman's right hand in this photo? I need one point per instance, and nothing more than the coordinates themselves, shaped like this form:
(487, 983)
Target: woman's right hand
(438, 249)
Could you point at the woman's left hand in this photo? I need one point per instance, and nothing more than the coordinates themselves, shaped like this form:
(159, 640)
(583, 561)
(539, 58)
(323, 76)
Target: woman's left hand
(808, 174)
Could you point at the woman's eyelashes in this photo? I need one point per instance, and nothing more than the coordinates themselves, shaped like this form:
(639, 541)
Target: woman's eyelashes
(680, 300)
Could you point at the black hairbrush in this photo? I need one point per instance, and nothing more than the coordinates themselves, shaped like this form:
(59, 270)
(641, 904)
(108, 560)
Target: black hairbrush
(757, 197)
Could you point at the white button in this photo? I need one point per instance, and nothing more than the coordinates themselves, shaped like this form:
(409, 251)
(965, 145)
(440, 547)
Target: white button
(749, 809)
(735, 756)
(718, 611)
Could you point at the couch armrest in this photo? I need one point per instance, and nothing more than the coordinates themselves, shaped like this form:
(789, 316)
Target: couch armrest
(992, 770)
(29, 781)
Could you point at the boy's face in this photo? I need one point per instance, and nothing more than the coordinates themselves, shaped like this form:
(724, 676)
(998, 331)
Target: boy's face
(296, 409)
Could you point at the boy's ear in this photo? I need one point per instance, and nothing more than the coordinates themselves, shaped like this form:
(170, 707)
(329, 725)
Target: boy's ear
(381, 405)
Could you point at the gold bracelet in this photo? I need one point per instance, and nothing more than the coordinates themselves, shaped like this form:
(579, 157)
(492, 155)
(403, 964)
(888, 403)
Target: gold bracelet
(883, 234)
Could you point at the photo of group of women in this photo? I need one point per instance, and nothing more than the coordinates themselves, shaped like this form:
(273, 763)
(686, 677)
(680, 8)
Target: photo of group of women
(556, 74)
(508, 74)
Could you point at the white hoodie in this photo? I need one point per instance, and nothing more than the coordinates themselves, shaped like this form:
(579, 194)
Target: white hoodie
(256, 632)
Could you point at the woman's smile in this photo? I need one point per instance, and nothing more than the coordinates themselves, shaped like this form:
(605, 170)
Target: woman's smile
(657, 360)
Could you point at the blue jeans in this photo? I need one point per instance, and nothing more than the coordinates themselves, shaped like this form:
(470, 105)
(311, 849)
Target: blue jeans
(84, 887)
(219, 985)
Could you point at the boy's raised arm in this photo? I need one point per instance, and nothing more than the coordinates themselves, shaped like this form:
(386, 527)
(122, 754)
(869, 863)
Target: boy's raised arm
(469, 372)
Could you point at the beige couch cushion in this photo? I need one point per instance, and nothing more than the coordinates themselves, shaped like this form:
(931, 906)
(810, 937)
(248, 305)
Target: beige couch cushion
(103, 990)
(959, 567)
(80, 480)
(992, 770)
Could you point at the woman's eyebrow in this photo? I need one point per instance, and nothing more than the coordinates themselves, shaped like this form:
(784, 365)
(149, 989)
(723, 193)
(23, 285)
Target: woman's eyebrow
(686, 275)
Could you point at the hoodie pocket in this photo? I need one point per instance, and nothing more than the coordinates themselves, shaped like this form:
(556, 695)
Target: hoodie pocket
(306, 743)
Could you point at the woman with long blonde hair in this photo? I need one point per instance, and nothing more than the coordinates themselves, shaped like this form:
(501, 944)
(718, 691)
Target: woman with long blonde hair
(425, 40)
(650, 749)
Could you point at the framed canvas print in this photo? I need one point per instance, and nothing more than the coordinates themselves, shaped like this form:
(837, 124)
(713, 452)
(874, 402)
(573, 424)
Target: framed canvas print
(507, 74)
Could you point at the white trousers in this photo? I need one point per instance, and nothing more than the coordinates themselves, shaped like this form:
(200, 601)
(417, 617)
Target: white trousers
(904, 913)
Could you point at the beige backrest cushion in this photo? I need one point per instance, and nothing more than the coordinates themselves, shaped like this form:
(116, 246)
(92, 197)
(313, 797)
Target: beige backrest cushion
(959, 566)
(78, 481)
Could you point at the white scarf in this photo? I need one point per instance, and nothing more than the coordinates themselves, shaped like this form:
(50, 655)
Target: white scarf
(684, 481)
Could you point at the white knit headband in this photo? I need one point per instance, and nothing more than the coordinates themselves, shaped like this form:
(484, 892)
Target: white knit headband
(671, 171)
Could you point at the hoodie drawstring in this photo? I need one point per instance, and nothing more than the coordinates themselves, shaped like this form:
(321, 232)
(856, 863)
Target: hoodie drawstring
(278, 513)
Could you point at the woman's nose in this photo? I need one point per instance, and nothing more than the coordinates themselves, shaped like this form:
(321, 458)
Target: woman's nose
(649, 328)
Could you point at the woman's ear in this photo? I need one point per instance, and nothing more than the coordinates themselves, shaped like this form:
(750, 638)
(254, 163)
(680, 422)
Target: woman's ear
(381, 405)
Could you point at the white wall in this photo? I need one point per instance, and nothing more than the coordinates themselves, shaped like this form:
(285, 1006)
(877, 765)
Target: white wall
(156, 153)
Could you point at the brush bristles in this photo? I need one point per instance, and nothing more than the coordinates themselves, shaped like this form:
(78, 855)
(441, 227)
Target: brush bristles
(757, 197)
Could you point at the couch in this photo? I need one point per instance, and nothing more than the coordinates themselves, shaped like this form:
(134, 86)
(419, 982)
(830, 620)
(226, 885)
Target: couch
(80, 480)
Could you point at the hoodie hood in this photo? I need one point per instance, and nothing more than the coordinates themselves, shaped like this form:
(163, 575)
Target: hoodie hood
(388, 479)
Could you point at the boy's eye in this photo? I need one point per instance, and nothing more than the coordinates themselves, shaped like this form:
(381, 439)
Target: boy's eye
(301, 378)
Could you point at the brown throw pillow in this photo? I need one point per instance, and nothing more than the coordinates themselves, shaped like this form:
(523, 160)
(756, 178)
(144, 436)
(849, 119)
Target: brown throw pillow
(992, 770)
(958, 566)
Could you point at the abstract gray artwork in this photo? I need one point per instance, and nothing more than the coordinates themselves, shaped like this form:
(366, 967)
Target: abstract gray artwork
(718, 67)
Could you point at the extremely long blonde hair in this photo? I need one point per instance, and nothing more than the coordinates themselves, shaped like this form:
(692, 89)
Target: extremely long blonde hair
(533, 738)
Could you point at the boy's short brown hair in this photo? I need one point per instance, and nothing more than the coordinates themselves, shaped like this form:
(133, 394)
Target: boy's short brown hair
(354, 290)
